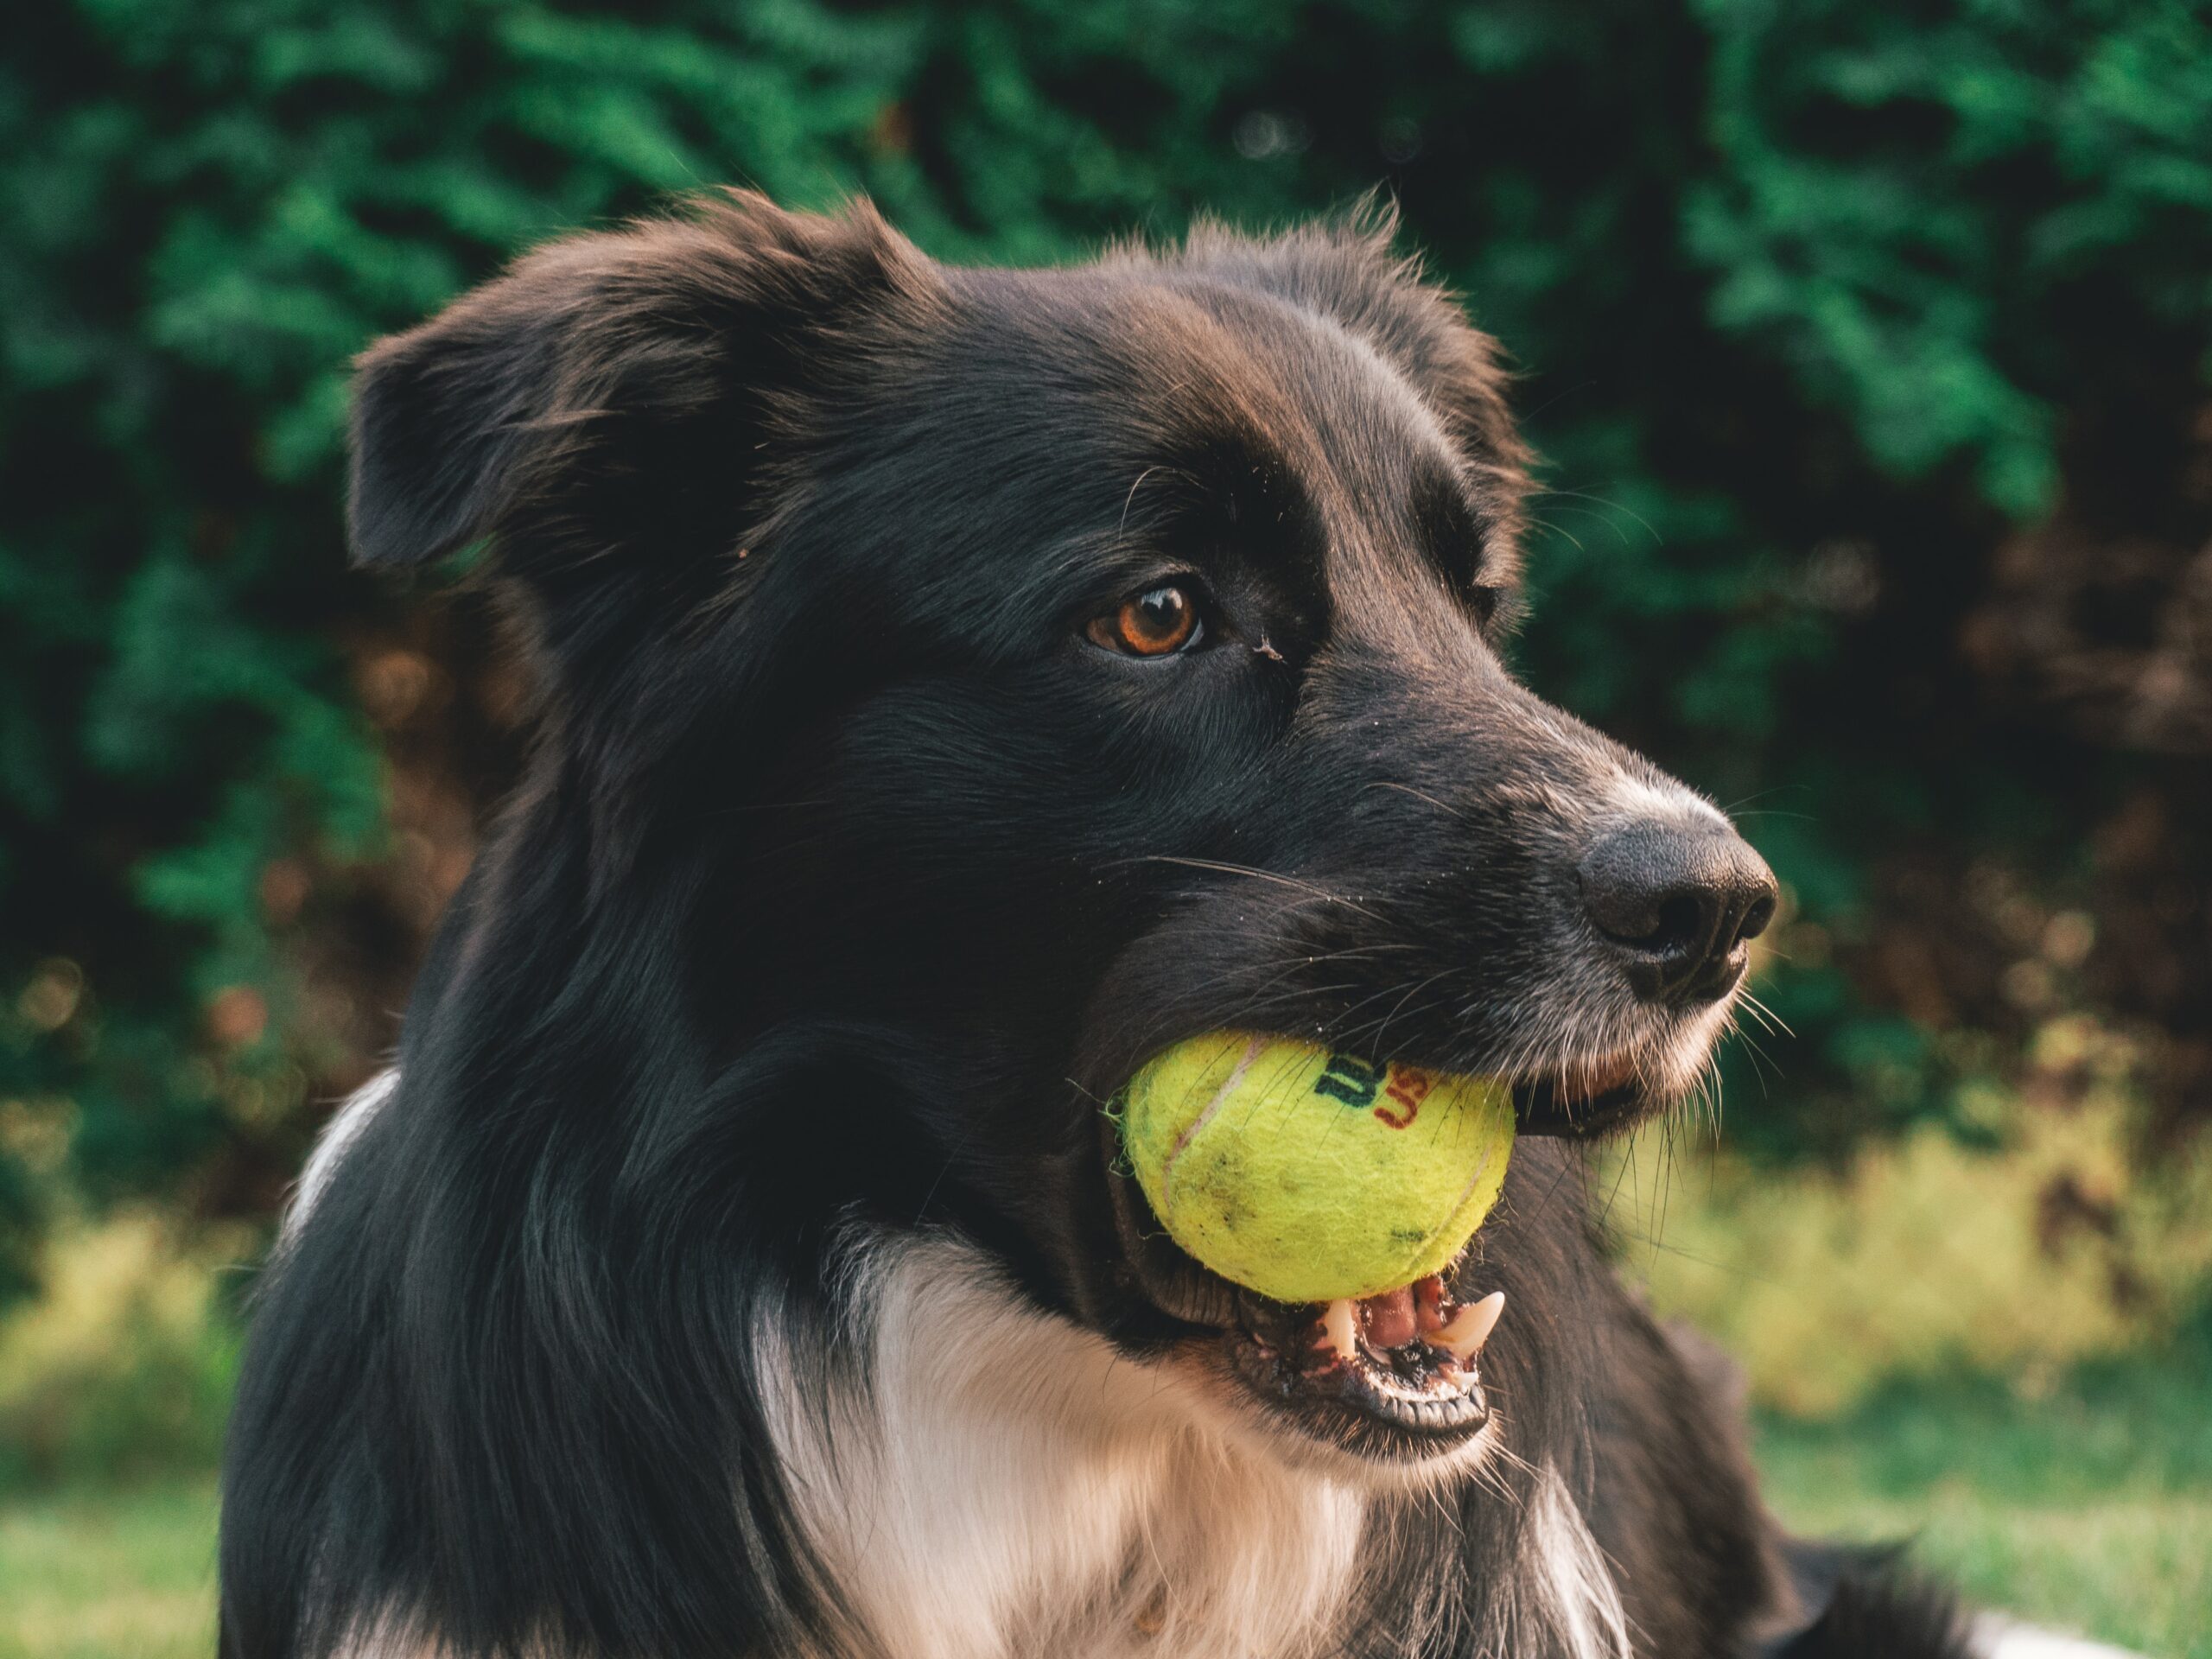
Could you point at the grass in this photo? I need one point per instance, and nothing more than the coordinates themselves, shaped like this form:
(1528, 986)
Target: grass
(2085, 1504)
(109, 1574)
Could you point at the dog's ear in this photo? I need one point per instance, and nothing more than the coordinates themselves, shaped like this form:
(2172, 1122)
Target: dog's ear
(604, 412)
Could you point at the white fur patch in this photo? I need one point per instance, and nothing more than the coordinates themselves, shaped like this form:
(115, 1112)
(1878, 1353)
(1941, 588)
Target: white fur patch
(1632, 798)
(1573, 1585)
(1008, 1485)
(337, 1135)
(1998, 1638)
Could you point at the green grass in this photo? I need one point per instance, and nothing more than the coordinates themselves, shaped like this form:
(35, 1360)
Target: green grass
(2086, 1505)
(109, 1575)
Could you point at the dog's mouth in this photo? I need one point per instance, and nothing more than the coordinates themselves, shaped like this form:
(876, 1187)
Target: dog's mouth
(1402, 1365)
(1589, 1099)
(1390, 1375)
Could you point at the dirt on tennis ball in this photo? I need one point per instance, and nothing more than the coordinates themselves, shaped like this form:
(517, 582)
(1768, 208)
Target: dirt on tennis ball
(1306, 1174)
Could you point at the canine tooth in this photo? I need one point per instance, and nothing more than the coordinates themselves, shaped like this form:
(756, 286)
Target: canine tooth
(1341, 1322)
(1464, 1334)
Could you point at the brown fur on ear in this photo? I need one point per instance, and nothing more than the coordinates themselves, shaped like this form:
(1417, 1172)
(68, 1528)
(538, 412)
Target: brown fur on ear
(1348, 269)
(556, 404)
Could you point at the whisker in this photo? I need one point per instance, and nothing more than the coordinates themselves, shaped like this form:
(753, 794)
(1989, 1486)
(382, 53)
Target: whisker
(1419, 795)
(1560, 531)
(1221, 866)
(1657, 540)
(1131, 497)
(1767, 1013)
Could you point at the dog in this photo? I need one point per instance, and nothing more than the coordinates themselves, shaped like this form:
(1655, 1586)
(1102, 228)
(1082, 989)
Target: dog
(952, 687)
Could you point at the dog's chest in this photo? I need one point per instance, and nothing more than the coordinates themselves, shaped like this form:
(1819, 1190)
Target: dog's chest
(1010, 1487)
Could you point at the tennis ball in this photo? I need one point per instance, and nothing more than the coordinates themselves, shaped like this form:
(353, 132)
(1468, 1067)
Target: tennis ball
(1307, 1175)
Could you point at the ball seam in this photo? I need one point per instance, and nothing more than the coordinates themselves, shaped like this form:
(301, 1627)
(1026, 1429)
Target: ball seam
(1174, 1156)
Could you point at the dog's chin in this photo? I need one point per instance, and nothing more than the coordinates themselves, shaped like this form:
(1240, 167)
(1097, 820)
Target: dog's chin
(1389, 1381)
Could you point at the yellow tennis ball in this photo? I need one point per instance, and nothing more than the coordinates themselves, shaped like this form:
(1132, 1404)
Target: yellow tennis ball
(1307, 1175)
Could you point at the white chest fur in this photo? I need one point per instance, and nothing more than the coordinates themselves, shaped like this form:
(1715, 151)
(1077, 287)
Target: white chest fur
(1007, 1485)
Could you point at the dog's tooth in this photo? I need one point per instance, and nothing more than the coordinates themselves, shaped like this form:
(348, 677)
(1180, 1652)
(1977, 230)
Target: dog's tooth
(1340, 1321)
(1464, 1334)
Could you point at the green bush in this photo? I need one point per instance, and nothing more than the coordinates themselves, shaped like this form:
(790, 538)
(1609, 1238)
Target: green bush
(1823, 309)
(1927, 1257)
(122, 1369)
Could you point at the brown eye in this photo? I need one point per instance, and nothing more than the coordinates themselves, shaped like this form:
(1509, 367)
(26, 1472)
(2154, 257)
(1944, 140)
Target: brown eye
(1150, 623)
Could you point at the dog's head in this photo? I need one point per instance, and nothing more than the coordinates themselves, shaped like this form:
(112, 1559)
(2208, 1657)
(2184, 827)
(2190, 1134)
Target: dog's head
(1003, 675)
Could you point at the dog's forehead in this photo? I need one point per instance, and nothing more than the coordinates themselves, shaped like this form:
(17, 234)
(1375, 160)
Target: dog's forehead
(1159, 357)
(1058, 404)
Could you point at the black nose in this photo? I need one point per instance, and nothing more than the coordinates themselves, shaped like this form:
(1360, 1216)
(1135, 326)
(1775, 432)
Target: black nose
(1678, 904)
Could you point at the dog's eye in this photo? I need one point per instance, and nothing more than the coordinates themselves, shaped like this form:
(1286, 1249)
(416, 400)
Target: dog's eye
(1154, 623)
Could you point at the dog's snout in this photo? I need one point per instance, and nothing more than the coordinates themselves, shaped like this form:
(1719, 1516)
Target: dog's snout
(1679, 903)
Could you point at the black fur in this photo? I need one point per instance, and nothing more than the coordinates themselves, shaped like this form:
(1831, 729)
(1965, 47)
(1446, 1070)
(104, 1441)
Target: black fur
(848, 876)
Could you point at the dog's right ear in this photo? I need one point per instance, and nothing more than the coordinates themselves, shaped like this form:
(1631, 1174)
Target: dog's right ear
(603, 411)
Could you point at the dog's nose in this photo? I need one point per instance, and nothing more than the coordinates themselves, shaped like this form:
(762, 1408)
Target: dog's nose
(1680, 903)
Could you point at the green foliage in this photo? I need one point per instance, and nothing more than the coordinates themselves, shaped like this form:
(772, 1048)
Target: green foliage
(122, 1368)
(1809, 296)
(2017, 1251)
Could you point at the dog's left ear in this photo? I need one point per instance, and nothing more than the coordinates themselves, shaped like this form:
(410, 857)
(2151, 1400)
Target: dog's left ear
(603, 415)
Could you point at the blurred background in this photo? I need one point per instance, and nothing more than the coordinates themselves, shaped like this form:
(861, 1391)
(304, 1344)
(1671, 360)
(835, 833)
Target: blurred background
(1869, 347)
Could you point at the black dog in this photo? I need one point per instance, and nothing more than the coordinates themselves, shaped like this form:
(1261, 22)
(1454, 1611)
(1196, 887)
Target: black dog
(954, 687)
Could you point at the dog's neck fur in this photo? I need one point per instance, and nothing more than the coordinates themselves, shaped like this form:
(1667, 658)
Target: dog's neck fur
(1001, 1483)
